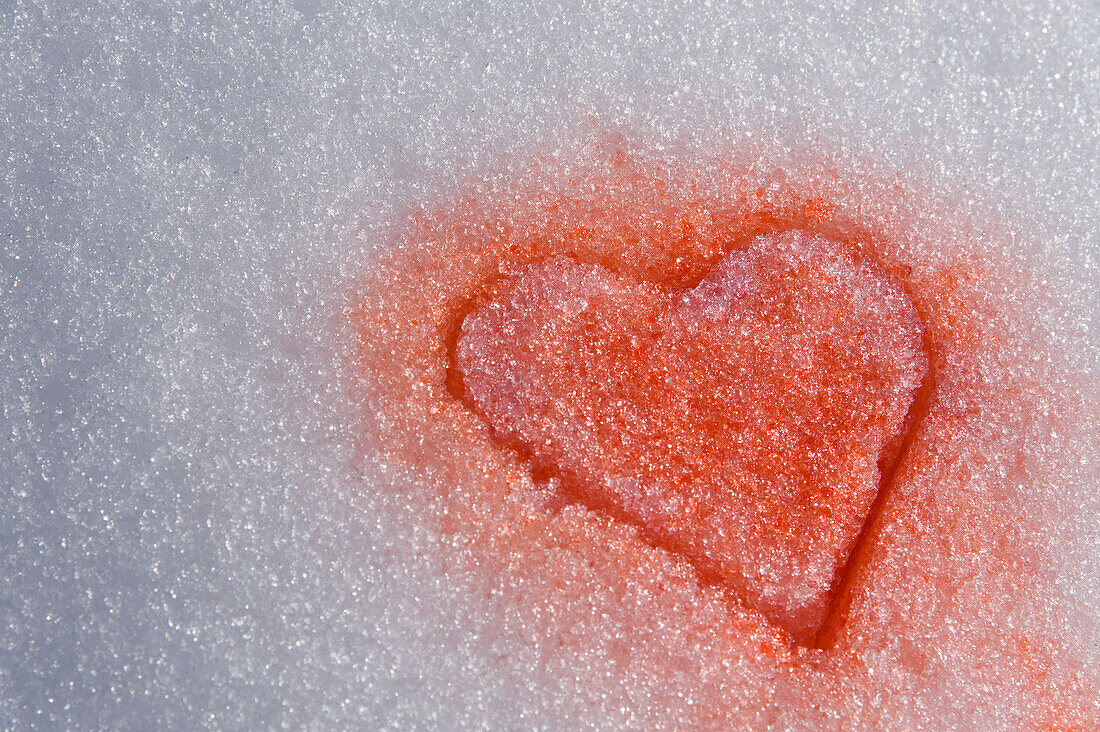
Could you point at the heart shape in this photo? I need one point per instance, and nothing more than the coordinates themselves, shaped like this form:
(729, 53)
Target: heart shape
(739, 423)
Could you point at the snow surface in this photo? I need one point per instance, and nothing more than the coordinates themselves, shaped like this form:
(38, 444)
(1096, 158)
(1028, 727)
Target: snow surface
(190, 538)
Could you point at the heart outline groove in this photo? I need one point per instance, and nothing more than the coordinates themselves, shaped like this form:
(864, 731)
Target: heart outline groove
(829, 618)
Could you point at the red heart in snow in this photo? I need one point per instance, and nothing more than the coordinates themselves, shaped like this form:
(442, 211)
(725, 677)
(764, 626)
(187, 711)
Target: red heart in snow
(739, 423)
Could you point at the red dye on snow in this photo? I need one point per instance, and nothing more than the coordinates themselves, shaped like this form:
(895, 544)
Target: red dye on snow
(642, 389)
(743, 424)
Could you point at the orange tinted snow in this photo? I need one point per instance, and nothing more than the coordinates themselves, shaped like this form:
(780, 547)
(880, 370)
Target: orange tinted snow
(584, 472)
(739, 424)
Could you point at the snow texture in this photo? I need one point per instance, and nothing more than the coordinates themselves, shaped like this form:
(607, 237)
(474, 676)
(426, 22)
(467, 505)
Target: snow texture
(195, 531)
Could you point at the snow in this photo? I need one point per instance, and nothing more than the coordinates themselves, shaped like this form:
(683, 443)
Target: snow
(198, 530)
